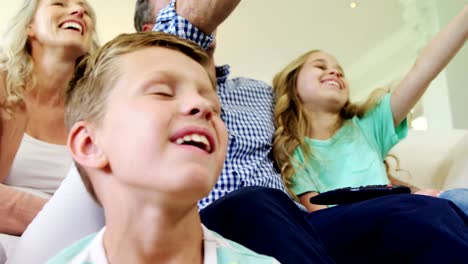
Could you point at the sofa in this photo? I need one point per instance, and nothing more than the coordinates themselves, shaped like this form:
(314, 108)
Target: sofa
(429, 159)
(433, 159)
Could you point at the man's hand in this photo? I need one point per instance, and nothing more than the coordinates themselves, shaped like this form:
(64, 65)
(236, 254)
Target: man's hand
(206, 15)
(429, 192)
(158, 5)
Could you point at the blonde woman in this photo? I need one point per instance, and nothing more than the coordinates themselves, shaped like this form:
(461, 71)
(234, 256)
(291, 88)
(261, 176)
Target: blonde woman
(41, 47)
(324, 142)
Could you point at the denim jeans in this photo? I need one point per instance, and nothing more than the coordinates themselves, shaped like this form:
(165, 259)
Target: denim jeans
(458, 196)
(390, 229)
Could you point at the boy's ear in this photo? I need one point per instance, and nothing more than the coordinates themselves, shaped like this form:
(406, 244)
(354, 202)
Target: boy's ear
(83, 147)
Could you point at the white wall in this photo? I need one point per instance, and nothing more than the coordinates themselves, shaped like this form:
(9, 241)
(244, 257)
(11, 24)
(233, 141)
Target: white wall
(114, 17)
(376, 43)
(457, 70)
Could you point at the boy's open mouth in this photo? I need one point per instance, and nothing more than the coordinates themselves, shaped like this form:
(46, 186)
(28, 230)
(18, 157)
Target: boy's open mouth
(197, 140)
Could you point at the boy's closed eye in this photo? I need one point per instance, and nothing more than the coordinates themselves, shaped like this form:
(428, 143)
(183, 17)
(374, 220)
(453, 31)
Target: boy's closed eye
(58, 3)
(161, 90)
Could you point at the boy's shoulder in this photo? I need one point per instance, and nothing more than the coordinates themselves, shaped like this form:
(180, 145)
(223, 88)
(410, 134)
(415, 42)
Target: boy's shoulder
(225, 251)
(69, 253)
(228, 251)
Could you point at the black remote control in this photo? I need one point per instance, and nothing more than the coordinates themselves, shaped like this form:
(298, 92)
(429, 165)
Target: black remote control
(357, 194)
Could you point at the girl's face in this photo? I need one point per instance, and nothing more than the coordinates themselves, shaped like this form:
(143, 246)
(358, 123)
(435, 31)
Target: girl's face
(321, 85)
(62, 23)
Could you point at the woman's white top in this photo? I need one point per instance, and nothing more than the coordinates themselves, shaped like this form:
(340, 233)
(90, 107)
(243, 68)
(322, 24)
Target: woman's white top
(39, 167)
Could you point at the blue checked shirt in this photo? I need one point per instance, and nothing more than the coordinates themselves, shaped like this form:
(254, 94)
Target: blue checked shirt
(247, 109)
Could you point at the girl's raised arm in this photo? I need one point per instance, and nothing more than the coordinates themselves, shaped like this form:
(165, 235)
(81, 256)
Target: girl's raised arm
(433, 58)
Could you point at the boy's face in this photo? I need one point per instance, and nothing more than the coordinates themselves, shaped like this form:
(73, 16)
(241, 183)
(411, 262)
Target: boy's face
(162, 129)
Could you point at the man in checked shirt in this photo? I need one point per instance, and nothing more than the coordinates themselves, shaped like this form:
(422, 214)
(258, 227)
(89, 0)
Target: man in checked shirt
(249, 204)
(264, 218)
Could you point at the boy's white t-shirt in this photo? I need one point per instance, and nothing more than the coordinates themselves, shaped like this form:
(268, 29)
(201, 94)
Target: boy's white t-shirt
(215, 248)
(95, 252)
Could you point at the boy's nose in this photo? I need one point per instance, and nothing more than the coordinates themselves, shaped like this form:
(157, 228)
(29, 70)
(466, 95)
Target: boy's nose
(199, 107)
(201, 113)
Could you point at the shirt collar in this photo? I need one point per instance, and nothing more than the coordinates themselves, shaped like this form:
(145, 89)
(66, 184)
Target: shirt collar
(222, 73)
(96, 253)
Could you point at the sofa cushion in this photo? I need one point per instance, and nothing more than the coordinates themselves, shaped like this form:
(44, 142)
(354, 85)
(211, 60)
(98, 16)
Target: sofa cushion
(458, 173)
(426, 157)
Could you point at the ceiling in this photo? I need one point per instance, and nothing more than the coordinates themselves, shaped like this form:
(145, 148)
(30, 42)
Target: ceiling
(268, 34)
(263, 35)
(376, 42)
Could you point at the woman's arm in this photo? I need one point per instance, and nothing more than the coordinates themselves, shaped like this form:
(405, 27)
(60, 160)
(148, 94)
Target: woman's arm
(70, 215)
(17, 209)
(2, 111)
(305, 200)
(433, 58)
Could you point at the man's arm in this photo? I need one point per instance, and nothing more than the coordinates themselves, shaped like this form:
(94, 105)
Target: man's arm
(193, 20)
(395, 181)
(414, 189)
(206, 15)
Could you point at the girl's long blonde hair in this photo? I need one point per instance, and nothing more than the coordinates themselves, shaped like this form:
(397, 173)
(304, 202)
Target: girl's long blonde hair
(16, 63)
(293, 124)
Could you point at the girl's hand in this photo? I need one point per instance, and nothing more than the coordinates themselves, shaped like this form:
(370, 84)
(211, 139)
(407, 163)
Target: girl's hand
(305, 200)
(429, 192)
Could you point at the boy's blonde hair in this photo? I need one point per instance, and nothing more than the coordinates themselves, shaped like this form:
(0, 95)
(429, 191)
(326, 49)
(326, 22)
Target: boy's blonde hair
(96, 74)
(15, 53)
(292, 122)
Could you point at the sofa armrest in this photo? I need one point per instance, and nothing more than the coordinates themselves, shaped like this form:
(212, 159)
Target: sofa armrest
(458, 174)
(426, 157)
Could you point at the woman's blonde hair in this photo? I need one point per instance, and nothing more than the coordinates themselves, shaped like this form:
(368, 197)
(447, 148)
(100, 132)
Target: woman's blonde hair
(292, 122)
(16, 63)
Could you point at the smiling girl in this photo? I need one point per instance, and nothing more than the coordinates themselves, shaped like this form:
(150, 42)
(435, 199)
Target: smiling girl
(324, 142)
